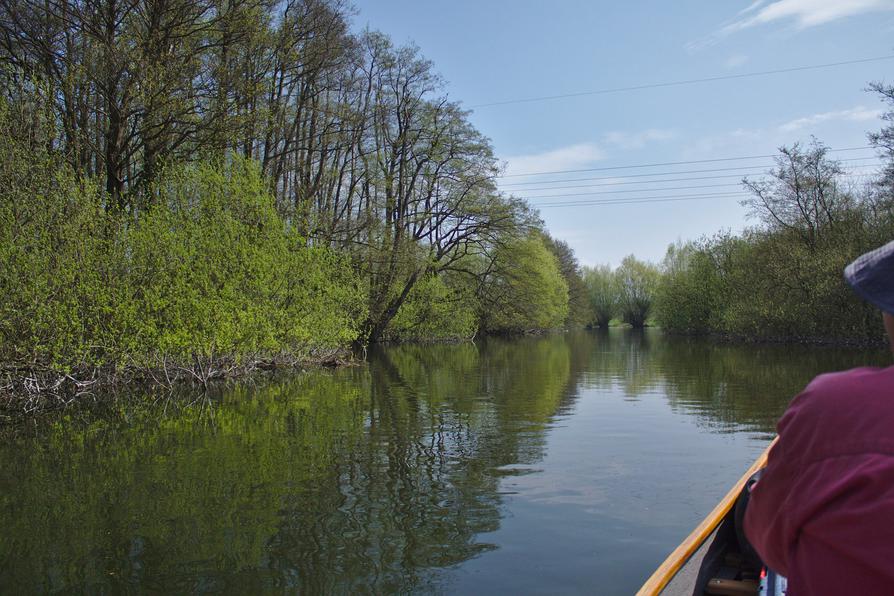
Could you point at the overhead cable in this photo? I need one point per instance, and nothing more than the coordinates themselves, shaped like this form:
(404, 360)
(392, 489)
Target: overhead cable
(666, 163)
(744, 75)
(632, 200)
(715, 177)
(670, 173)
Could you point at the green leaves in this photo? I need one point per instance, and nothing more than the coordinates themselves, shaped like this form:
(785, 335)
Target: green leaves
(210, 270)
(435, 311)
(769, 285)
(526, 290)
(637, 282)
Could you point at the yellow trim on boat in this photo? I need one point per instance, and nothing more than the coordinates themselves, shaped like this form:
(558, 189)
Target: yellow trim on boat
(675, 561)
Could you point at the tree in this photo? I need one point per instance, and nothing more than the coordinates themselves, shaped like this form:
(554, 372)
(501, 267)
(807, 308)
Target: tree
(689, 296)
(602, 293)
(883, 140)
(362, 151)
(637, 282)
(524, 289)
(802, 195)
(578, 297)
(429, 183)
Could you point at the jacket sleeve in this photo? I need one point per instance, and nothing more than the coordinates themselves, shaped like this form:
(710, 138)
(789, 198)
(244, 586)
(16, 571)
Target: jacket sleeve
(772, 517)
(766, 524)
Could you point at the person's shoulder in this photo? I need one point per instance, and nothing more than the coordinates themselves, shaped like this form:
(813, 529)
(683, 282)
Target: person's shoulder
(852, 382)
(840, 412)
(841, 403)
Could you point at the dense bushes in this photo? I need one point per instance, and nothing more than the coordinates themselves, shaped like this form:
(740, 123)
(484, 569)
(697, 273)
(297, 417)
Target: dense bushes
(768, 285)
(691, 289)
(435, 311)
(216, 270)
(782, 279)
(211, 270)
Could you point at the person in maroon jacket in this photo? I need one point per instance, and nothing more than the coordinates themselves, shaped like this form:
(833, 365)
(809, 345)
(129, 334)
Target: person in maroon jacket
(822, 513)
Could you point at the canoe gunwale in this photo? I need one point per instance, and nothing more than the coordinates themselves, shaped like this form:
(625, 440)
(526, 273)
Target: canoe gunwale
(680, 555)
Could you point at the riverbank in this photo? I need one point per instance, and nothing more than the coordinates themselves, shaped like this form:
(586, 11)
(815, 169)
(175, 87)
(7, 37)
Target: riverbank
(31, 390)
(26, 391)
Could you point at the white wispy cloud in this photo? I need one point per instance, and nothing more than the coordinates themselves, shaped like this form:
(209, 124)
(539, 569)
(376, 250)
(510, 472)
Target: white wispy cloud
(638, 139)
(752, 7)
(808, 13)
(803, 13)
(572, 157)
(584, 155)
(857, 114)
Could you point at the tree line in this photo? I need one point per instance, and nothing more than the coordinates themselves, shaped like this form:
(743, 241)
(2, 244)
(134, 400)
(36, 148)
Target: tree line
(191, 179)
(781, 278)
(184, 182)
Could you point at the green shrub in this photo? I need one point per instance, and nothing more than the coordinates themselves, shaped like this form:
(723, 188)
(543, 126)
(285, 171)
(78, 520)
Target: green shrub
(217, 271)
(434, 311)
(209, 269)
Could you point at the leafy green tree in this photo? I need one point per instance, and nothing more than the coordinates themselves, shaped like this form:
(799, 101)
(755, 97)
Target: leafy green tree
(603, 294)
(690, 293)
(578, 297)
(524, 289)
(435, 311)
(430, 180)
(637, 282)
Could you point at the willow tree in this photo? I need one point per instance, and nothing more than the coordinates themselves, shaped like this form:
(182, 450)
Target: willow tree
(637, 282)
(602, 294)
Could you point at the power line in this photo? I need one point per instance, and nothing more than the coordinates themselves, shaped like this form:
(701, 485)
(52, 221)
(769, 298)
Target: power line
(716, 177)
(630, 201)
(626, 176)
(641, 199)
(666, 163)
(684, 82)
(640, 190)
(613, 192)
(671, 173)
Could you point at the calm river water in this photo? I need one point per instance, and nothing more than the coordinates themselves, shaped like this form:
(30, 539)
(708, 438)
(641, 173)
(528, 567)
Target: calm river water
(562, 464)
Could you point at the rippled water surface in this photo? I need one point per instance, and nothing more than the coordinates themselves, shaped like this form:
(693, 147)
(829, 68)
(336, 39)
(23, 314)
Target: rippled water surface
(562, 464)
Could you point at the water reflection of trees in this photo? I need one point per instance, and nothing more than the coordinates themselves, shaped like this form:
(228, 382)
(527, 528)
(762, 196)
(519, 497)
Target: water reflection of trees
(364, 479)
(622, 358)
(367, 479)
(735, 385)
(726, 385)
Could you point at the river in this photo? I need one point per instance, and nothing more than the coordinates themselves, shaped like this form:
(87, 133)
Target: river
(562, 464)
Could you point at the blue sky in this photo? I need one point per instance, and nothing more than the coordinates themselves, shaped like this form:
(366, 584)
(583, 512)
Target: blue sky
(493, 51)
